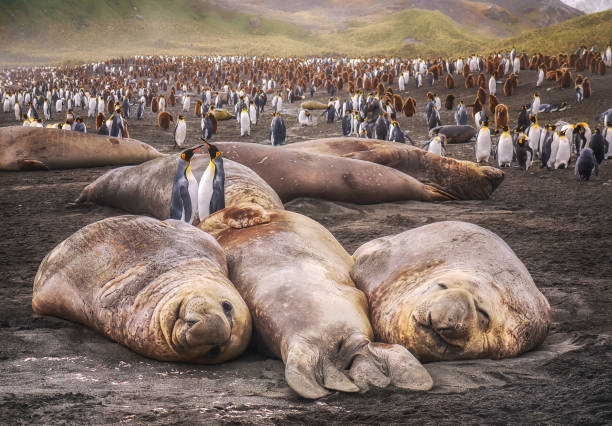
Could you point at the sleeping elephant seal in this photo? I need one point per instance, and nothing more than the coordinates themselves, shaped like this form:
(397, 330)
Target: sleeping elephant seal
(451, 290)
(295, 174)
(37, 148)
(294, 276)
(159, 288)
(455, 134)
(464, 180)
(147, 188)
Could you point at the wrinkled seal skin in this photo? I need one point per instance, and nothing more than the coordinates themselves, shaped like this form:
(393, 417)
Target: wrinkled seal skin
(464, 180)
(159, 288)
(147, 188)
(35, 148)
(457, 134)
(294, 276)
(449, 291)
(295, 174)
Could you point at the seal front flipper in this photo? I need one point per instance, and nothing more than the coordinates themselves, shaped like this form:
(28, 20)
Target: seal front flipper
(240, 216)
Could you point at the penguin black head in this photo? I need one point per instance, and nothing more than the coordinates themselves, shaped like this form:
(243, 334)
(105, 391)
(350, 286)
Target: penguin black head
(212, 150)
(505, 128)
(181, 116)
(189, 153)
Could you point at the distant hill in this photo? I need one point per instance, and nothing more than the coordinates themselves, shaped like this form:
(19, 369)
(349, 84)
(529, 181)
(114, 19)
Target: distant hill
(59, 31)
(496, 18)
(590, 6)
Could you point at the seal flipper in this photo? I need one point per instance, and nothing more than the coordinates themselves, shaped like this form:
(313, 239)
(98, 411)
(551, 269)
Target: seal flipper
(300, 370)
(240, 216)
(404, 370)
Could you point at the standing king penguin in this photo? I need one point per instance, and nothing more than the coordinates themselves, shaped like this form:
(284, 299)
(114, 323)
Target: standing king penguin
(185, 188)
(211, 191)
(180, 131)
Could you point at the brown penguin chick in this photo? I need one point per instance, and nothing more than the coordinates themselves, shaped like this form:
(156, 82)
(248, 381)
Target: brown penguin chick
(482, 81)
(450, 82)
(508, 87)
(110, 106)
(601, 68)
(566, 79)
(198, 108)
(476, 107)
(579, 65)
(466, 70)
(99, 120)
(380, 89)
(586, 87)
(501, 116)
(493, 102)
(367, 84)
(398, 102)
(409, 107)
(481, 95)
(163, 119)
(449, 102)
(154, 105)
(469, 81)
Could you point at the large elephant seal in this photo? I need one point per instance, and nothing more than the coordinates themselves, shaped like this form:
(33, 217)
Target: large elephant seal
(36, 148)
(147, 188)
(294, 276)
(295, 174)
(456, 134)
(451, 290)
(159, 288)
(464, 180)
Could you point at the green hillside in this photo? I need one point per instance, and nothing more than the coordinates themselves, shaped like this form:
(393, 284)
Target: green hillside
(590, 30)
(60, 31)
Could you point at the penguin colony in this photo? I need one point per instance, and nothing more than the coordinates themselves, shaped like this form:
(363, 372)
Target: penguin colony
(365, 99)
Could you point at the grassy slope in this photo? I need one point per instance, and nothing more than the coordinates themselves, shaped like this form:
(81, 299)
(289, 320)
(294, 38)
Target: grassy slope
(590, 30)
(52, 31)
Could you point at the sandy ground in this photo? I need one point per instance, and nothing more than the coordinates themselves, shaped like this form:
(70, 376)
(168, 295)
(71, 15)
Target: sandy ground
(54, 371)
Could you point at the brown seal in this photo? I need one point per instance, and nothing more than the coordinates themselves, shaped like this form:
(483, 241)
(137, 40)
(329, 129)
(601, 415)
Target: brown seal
(451, 290)
(294, 174)
(159, 288)
(295, 278)
(37, 148)
(147, 188)
(464, 180)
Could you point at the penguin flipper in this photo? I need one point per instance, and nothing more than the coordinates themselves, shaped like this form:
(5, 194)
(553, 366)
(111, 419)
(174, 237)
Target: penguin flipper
(186, 199)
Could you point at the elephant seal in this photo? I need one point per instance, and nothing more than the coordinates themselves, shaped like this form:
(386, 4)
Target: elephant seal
(295, 174)
(34, 148)
(147, 188)
(455, 134)
(313, 105)
(159, 288)
(294, 276)
(449, 291)
(464, 180)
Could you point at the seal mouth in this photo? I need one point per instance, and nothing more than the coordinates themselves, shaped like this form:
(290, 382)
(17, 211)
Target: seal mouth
(443, 345)
(183, 343)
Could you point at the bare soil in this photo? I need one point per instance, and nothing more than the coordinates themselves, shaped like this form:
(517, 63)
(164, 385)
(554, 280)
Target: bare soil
(53, 371)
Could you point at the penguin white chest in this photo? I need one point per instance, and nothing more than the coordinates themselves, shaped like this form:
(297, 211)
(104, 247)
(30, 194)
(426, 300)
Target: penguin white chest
(205, 191)
(483, 145)
(435, 147)
(505, 150)
(181, 133)
(245, 124)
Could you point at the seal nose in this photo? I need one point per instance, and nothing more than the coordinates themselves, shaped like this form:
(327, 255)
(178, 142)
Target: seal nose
(212, 329)
(452, 313)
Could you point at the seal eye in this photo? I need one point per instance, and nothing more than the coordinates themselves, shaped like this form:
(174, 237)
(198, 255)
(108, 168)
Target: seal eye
(483, 319)
(443, 286)
(227, 307)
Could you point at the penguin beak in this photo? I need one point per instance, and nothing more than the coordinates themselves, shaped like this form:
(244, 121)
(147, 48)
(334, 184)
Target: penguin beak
(197, 148)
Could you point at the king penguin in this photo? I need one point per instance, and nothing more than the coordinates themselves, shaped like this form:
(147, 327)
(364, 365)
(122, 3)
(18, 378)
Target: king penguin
(211, 190)
(180, 131)
(185, 188)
